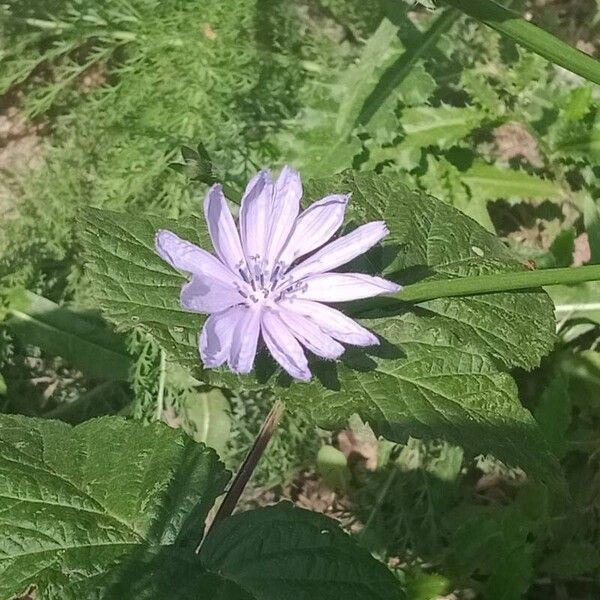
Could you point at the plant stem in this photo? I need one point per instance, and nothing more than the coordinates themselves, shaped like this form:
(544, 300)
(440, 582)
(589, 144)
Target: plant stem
(160, 398)
(248, 466)
(530, 36)
(497, 282)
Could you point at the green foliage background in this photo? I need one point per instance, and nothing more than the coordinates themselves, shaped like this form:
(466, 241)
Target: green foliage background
(121, 86)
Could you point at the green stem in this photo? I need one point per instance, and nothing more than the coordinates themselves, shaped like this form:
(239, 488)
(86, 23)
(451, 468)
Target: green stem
(530, 36)
(498, 282)
(160, 398)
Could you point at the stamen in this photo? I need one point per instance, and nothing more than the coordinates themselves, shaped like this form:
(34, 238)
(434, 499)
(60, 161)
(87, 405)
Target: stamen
(244, 274)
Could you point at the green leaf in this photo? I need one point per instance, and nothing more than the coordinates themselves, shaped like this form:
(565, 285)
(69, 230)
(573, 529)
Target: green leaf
(207, 419)
(443, 180)
(313, 145)
(425, 126)
(482, 92)
(397, 72)
(417, 86)
(488, 182)
(381, 48)
(528, 35)
(441, 126)
(332, 466)
(574, 559)
(427, 586)
(577, 301)
(576, 140)
(440, 369)
(283, 552)
(553, 413)
(578, 103)
(84, 510)
(134, 287)
(84, 343)
(591, 220)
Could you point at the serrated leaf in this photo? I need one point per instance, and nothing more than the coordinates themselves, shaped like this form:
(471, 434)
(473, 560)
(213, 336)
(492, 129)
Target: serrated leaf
(313, 145)
(381, 49)
(439, 372)
(283, 552)
(573, 140)
(440, 369)
(441, 126)
(482, 92)
(417, 86)
(84, 510)
(425, 126)
(133, 286)
(577, 104)
(84, 343)
(488, 182)
(443, 180)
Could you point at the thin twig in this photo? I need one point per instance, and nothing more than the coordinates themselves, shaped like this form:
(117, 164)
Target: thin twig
(248, 466)
(160, 399)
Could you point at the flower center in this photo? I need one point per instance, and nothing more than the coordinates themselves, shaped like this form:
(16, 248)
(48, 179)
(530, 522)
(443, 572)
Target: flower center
(263, 285)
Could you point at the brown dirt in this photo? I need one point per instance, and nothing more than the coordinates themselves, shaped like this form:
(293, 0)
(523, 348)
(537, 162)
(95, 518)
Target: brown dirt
(514, 140)
(20, 151)
(571, 20)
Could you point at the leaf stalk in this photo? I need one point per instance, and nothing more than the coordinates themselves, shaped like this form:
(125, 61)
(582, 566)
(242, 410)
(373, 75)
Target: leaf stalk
(497, 282)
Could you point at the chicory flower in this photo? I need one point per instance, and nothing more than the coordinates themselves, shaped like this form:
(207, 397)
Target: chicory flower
(271, 278)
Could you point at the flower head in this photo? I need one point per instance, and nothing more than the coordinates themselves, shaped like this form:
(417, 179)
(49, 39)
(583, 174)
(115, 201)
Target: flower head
(270, 279)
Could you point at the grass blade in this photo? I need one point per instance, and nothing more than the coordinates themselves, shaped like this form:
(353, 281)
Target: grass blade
(397, 72)
(86, 344)
(530, 36)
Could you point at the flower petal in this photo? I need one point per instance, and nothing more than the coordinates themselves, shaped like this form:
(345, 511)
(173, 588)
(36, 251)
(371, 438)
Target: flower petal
(314, 227)
(285, 208)
(309, 334)
(215, 340)
(255, 215)
(223, 232)
(207, 295)
(342, 287)
(331, 321)
(342, 250)
(283, 346)
(185, 256)
(245, 341)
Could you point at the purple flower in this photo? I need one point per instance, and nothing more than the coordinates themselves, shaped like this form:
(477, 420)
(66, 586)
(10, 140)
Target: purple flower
(272, 277)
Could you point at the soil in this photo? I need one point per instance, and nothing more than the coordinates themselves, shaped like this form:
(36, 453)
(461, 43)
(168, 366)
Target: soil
(21, 150)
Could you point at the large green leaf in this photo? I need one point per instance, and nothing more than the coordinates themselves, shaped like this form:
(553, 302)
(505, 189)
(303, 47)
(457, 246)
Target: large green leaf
(401, 69)
(103, 510)
(489, 182)
(134, 287)
(381, 48)
(84, 342)
(284, 553)
(441, 126)
(441, 369)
